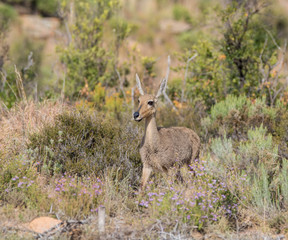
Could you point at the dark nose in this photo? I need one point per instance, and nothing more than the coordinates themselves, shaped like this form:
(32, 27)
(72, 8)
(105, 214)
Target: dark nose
(135, 115)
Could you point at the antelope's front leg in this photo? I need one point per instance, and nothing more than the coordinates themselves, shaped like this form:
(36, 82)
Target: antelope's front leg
(145, 176)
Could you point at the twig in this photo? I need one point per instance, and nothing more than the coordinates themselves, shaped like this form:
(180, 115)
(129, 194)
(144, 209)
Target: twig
(30, 62)
(4, 79)
(20, 86)
(132, 98)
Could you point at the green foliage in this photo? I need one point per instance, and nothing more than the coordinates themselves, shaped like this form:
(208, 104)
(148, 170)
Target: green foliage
(82, 143)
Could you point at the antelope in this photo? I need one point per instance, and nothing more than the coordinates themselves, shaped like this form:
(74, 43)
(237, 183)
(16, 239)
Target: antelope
(162, 148)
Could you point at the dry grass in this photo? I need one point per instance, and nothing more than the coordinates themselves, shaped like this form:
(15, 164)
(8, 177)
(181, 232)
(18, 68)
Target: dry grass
(23, 119)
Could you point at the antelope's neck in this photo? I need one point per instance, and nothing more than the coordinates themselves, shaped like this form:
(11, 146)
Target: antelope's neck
(151, 132)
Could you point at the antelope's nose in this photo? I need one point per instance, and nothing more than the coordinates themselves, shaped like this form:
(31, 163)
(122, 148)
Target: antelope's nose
(135, 115)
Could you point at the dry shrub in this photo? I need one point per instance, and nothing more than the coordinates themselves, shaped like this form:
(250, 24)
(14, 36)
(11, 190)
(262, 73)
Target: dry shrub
(82, 142)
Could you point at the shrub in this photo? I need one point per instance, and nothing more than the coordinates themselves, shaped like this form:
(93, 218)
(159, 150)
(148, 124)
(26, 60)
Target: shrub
(82, 143)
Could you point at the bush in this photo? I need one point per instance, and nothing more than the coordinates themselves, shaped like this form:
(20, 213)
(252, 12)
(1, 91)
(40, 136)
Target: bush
(248, 144)
(232, 64)
(81, 143)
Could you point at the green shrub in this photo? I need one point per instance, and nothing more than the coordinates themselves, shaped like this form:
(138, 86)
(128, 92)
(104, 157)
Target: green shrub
(7, 14)
(232, 64)
(250, 143)
(90, 58)
(82, 143)
(234, 116)
(47, 7)
(180, 12)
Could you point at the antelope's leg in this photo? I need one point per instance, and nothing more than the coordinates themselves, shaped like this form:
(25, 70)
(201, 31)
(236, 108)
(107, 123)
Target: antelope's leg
(145, 176)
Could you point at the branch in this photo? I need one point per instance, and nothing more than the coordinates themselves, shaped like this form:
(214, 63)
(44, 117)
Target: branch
(186, 74)
(261, 62)
(164, 91)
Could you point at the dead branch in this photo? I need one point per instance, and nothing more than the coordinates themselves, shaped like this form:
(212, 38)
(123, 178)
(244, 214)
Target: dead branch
(30, 62)
(4, 79)
(186, 74)
(121, 82)
(273, 89)
(164, 91)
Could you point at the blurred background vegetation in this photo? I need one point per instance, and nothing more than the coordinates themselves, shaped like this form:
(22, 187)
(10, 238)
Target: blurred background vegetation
(67, 91)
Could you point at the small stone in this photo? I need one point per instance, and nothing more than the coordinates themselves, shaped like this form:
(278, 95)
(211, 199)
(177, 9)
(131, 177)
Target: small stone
(43, 224)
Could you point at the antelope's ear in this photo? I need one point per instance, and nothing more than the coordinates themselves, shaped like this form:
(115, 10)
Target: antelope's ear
(139, 85)
(161, 88)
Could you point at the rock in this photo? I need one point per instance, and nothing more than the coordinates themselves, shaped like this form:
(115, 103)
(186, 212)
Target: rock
(39, 27)
(172, 26)
(42, 224)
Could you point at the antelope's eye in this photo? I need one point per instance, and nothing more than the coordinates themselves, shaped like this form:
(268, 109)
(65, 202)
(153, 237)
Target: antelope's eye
(138, 101)
(150, 103)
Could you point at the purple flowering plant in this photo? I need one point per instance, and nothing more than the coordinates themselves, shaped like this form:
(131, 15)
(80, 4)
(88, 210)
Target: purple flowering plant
(202, 198)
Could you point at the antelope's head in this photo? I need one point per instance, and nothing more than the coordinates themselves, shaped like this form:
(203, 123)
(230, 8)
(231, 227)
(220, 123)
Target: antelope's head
(147, 102)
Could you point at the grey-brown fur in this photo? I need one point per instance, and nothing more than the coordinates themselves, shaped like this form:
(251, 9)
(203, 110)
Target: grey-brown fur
(162, 148)
(176, 145)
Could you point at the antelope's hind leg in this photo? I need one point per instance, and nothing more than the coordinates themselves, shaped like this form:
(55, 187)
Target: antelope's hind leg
(179, 177)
